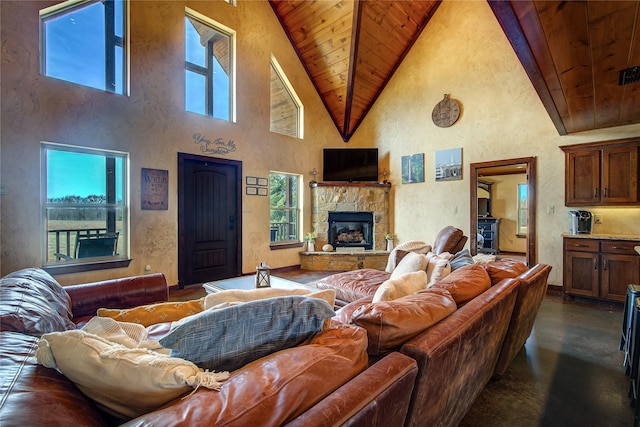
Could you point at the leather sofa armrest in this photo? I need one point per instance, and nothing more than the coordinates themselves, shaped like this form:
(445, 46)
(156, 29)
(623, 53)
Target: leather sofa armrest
(127, 292)
(379, 396)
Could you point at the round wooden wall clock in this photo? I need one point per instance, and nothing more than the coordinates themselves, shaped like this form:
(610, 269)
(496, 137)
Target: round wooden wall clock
(446, 112)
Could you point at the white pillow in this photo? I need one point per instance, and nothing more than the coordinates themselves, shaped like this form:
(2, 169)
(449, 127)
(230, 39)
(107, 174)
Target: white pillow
(404, 285)
(411, 262)
(127, 381)
(439, 267)
(417, 246)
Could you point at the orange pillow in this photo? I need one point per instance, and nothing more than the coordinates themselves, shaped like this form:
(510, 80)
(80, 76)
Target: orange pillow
(505, 268)
(390, 324)
(148, 315)
(465, 283)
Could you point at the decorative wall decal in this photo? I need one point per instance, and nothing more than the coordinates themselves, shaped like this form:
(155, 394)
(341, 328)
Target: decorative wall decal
(413, 168)
(251, 180)
(263, 182)
(252, 191)
(154, 189)
(449, 165)
(262, 191)
(217, 146)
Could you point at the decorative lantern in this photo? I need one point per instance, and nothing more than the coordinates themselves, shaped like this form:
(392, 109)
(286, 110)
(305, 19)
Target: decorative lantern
(262, 276)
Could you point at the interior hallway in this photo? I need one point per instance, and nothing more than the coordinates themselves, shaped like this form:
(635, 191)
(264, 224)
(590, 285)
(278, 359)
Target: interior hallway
(570, 372)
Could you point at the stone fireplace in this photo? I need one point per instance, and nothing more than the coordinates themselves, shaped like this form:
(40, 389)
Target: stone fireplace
(370, 200)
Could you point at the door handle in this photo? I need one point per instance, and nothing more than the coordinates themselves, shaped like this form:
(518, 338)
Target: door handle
(232, 222)
(595, 264)
(606, 262)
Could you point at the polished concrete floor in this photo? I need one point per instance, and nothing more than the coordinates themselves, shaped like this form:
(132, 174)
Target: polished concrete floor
(568, 374)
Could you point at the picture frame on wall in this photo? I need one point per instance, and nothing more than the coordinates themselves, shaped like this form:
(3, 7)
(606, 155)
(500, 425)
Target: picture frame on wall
(412, 168)
(449, 165)
(154, 191)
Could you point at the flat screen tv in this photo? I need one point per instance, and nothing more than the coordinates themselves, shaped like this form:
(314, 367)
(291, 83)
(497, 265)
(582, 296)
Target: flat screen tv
(350, 164)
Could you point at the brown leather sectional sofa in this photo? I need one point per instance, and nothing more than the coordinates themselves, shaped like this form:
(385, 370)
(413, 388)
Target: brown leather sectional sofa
(334, 380)
(430, 379)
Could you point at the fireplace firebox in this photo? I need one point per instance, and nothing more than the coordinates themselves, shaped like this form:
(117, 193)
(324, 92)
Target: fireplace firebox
(351, 229)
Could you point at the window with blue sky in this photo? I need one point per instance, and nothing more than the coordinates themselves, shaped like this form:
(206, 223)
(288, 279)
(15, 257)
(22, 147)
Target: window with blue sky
(84, 198)
(209, 53)
(83, 42)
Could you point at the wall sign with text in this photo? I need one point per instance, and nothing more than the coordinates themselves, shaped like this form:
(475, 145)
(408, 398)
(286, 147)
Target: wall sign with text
(155, 189)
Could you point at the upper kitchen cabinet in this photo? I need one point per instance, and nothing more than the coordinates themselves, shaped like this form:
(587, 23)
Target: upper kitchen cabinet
(602, 173)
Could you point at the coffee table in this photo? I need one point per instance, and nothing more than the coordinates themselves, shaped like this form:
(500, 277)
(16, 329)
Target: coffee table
(249, 282)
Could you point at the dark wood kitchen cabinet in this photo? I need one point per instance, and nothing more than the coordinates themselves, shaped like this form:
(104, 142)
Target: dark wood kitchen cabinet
(600, 268)
(602, 174)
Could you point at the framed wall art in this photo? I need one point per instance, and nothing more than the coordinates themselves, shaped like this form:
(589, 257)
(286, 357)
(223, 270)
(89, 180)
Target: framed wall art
(154, 189)
(449, 165)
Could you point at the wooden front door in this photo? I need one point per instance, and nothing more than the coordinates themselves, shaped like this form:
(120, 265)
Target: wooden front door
(209, 220)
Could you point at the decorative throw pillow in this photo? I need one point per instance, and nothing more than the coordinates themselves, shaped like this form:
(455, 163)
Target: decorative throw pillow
(147, 315)
(390, 324)
(404, 285)
(461, 259)
(412, 262)
(231, 337)
(465, 283)
(129, 382)
(505, 268)
(438, 267)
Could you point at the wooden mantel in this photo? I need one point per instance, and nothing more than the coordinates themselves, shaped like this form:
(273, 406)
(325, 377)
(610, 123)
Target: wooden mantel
(349, 184)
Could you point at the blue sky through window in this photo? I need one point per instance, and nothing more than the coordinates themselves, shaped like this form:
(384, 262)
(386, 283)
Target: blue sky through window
(79, 174)
(75, 45)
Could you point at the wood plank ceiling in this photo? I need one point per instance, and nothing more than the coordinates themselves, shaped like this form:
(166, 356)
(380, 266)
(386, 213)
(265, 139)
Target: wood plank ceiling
(573, 52)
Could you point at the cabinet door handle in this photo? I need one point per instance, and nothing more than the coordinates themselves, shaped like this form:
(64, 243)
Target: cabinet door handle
(595, 264)
(595, 192)
(578, 245)
(606, 263)
(605, 192)
(619, 247)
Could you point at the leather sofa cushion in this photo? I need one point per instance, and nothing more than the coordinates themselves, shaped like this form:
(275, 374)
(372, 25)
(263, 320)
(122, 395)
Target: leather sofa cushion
(353, 285)
(391, 323)
(465, 283)
(31, 395)
(505, 268)
(34, 303)
(274, 389)
(449, 239)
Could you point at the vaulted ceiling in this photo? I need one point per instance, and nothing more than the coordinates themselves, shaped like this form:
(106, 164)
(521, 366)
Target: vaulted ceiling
(573, 52)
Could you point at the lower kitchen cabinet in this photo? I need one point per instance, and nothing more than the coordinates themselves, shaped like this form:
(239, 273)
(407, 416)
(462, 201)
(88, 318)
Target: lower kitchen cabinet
(599, 268)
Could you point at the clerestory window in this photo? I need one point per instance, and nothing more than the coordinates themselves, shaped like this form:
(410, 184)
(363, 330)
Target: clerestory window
(84, 205)
(209, 67)
(287, 112)
(83, 42)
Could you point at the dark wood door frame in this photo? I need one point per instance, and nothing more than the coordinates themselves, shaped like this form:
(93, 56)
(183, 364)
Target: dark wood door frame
(182, 157)
(530, 163)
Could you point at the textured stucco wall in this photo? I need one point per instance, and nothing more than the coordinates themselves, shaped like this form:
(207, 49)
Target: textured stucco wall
(463, 52)
(152, 126)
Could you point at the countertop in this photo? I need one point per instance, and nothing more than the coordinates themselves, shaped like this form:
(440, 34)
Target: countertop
(603, 236)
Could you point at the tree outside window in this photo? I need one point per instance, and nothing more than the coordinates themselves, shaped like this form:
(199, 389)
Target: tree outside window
(285, 207)
(522, 210)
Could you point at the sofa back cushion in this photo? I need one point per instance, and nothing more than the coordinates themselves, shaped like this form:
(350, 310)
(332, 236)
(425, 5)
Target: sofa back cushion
(505, 268)
(391, 323)
(275, 389)
(33, 303)
(465, 283)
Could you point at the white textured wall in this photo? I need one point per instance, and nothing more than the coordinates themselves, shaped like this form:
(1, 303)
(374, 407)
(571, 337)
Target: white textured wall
(463, 52)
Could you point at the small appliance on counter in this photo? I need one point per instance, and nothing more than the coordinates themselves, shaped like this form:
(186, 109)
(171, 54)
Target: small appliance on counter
(580, 222)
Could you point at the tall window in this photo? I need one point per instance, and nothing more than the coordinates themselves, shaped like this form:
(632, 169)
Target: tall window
(209, 63)
(85, 204)
(83, 42)
(285, 207)
(286, 108)
(522, 210)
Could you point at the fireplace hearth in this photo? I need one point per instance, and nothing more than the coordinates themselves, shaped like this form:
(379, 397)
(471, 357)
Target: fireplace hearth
(351, 229)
